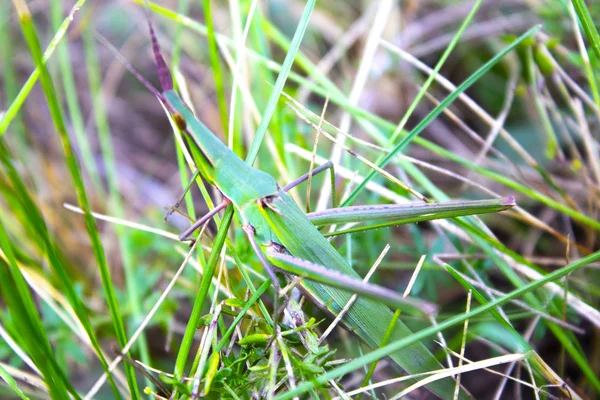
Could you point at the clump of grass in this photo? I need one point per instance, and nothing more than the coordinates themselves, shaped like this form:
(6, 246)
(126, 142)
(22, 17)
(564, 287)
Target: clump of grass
(526, 98)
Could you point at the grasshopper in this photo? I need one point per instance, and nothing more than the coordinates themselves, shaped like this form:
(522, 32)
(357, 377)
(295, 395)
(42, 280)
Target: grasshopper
(284, 237)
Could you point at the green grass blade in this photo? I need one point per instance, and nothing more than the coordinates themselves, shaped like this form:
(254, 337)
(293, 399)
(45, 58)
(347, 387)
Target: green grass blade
(588, 25)
(205, 282)
(70, 90)
(24, 312)
(10, 82)
(436, 69)
(57, 118)
(384, 341)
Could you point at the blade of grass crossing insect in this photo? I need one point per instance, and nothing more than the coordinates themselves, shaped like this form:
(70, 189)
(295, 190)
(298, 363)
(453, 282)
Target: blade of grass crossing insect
(17, 103)
(437, 111)
(115, 202)
(451, 322)
(280, 82)
(24, 312)
(187, 340)
(384, 341)
(436, 69)
(70, 90)
(57, 118)
(205, 282)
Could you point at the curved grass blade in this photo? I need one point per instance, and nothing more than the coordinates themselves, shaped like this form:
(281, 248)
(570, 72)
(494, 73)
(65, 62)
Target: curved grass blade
(17, 103)
(57, 118)
(25, 317)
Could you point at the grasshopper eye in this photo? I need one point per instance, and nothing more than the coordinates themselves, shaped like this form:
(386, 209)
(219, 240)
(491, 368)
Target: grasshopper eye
(179, 121)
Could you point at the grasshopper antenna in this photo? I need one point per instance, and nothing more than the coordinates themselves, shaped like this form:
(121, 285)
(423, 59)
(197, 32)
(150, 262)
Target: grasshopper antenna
(129, 67)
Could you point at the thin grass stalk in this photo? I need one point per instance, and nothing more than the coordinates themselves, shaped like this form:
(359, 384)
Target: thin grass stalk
(215, 65)
(280, 82)
(12, 383)
(114, 201)
(70, 90)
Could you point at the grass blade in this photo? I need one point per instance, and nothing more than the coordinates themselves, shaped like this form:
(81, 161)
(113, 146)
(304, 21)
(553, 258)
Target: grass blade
(57, 118)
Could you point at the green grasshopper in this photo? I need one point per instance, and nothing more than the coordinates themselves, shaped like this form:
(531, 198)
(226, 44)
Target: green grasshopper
(282, 235)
